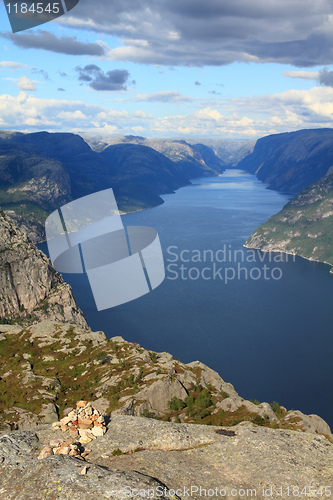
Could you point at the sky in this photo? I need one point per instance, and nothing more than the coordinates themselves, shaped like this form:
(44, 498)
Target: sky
(222, 69)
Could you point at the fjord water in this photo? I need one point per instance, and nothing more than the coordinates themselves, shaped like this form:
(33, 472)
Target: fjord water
(271, 336)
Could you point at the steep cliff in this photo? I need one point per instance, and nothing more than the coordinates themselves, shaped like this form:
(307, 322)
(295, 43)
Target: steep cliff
(31, 288)
(303, 227)
(292, 161)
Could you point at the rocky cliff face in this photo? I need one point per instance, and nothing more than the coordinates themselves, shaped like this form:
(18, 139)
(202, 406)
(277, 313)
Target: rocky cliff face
(31, 289)
(303, 227)
(290, 162)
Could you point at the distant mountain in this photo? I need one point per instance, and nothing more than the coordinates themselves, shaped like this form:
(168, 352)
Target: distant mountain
(31, 186)
(194, 160)
(140, 174)
(41, 171)
(85, 168)
(229, 151)
(290, 162)
(304, 226)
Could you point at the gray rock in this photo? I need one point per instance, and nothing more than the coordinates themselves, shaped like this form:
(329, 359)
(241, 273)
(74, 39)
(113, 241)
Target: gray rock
(181, 455)
(160, 392)
(311, 423)
(60, 477)
(209, 376)
(49, 414)
(17, 446)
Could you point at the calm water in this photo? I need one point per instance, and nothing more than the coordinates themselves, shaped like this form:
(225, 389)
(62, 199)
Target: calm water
(270, 335)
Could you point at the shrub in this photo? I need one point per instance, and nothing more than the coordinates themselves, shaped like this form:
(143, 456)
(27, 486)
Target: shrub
(176, 404)
(276, 408)
(153, 356)
(117, 452)
(224, 394)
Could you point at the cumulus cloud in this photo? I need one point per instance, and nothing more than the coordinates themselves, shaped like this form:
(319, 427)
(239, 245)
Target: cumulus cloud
(251, 117)
(34, 113)
(24, 83)
(196, 33)
(98, 80)
(41, 39)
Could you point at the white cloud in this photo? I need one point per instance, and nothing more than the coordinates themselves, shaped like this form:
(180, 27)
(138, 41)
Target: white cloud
(304, 75)
(251, 117)
(166, 96)
(11, 65)
(24, 83)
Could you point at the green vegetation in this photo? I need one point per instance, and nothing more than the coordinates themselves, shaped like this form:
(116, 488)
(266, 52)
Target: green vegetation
(66, 366)
(303, 227)
(153, 356)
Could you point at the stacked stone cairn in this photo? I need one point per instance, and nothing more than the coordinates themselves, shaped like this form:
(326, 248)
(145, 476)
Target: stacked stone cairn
(84, 423)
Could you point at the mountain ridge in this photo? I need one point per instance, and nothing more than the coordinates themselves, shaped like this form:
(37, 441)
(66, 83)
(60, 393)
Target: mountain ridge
(291, 161)
(40, 171)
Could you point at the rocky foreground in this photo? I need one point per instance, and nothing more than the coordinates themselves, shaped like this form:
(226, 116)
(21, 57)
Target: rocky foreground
(140, 457)
(47, 367)
(136, 428)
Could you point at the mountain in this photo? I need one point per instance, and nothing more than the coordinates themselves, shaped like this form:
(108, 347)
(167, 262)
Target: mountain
(86, 170)
(140, 173)
(194, 160)
(31, 288)
(31, 186)
(229, 151)
(303, 227)
(292, 161)
(41, 171)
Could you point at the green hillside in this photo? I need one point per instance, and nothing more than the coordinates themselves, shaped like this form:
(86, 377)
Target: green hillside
(304, 226)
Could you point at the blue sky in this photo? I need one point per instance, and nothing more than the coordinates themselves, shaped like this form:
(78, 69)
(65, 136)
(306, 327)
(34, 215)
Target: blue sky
(237, 69)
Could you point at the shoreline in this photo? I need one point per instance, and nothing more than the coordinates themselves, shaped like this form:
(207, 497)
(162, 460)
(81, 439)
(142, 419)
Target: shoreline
(291, 253)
